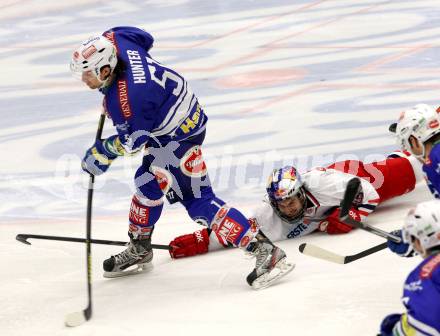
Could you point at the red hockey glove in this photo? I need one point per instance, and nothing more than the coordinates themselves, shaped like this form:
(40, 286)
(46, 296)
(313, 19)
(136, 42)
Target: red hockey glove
(190, 244)
(332, 224)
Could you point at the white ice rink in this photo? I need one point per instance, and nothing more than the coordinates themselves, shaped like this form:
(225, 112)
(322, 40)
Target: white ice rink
(308, 82)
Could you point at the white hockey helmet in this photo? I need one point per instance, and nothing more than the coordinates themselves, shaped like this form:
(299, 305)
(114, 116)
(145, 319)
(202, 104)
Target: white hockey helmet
(93, 54)
(421, 121)
(423, 222)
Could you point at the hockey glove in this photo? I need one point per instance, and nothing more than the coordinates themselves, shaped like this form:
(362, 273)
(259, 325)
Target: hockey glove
(388, 323)
(99, 157)
(190, 244)
(332, 224)
(402, 249)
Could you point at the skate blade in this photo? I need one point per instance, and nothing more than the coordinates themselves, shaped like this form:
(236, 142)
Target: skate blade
(281, 269)
(140, 268)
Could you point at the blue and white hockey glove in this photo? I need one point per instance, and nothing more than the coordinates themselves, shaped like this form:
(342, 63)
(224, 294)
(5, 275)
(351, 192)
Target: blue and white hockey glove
(99, 157)
(402, 249)
(388, 323)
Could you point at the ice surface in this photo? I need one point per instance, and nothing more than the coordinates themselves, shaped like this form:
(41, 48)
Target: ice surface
(308, 82)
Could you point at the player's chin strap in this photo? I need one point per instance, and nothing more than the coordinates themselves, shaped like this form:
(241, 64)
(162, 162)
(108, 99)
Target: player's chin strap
(104, 82)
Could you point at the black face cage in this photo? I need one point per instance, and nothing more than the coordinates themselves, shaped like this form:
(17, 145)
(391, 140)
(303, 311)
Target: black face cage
(296, 219)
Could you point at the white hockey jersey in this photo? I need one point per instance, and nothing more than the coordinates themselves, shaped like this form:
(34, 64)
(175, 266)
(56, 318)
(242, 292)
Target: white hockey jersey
(325, 190)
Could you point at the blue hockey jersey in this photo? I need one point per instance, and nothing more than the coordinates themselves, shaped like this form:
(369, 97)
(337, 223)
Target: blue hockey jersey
(421, 297)
(147, 99)
(432, 170)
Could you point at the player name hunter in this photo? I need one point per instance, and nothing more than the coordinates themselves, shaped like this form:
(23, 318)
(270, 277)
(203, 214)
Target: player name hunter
(137, 67)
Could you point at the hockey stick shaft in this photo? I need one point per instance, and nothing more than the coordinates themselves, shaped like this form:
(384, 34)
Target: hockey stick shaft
(378, 232)
(75, 319)
(353, 188)
(23, 238)
(88, 310)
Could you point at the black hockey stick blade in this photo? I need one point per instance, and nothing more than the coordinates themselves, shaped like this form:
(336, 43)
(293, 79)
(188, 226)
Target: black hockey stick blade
(320, 253)
(393, 128)
(353, 188)
(367, 252)
(23, 238)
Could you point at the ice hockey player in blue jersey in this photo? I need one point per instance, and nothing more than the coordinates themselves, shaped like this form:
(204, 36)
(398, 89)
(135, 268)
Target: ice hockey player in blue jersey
(153, 109)
(418, 131)
(421, 294)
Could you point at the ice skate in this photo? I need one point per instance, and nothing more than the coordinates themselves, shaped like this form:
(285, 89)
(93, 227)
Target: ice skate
(271, 264)
(136, 258)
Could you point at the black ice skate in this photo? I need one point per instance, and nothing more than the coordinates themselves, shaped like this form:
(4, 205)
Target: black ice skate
(135, 259)
(271, 264)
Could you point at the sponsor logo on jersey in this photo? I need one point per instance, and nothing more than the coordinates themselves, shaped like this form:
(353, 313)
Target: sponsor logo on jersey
(192, 163)
(137, 68)
(191, 122)
(123, 98)
(230, 230)
(163, 178)
(297, 231)
(413, 286)
(89, 51)
(123, 127)
(429, 267)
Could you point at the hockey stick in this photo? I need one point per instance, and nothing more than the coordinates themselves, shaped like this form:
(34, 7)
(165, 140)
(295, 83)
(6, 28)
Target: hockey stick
(77, 318)
(23, 238)
(353, 188)
(318, 252)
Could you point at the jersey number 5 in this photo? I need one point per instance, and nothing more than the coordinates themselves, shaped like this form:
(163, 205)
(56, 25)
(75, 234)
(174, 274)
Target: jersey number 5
(152, 67)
